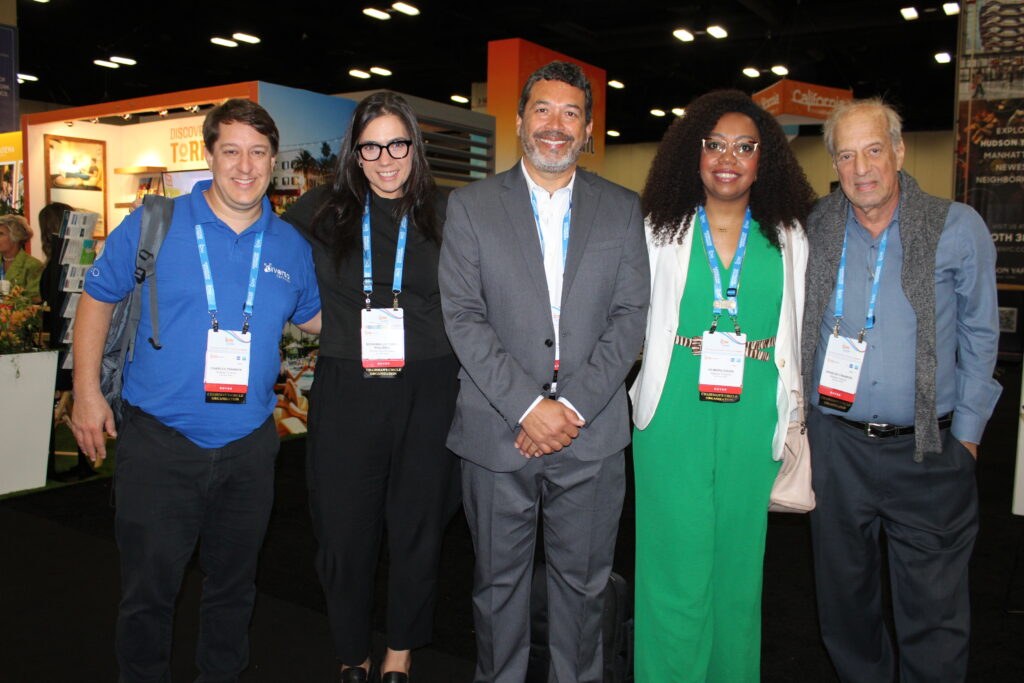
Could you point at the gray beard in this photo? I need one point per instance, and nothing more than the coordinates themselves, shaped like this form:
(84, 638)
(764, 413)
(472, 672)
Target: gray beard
(538, 162)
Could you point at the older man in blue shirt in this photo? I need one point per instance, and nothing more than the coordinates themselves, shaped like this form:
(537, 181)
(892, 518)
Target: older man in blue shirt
(897, 363)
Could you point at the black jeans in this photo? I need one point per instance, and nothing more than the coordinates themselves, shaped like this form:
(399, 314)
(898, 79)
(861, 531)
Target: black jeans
(170, 493)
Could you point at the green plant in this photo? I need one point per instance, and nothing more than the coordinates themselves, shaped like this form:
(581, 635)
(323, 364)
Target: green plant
(21, 322)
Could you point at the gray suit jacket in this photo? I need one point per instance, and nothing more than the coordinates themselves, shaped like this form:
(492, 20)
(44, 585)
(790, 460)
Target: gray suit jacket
(496, 311)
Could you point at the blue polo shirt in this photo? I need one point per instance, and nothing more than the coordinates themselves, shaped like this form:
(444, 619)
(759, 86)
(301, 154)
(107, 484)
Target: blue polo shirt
(168, 383)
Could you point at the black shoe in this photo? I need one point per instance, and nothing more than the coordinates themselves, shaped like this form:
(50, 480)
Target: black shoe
(358, 674)
(395, 677)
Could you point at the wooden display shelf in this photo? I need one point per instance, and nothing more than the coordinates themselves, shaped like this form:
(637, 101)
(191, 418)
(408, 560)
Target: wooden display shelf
(140, 170)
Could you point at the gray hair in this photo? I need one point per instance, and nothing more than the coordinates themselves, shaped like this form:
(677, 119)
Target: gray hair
(17, 227)
(893, 121)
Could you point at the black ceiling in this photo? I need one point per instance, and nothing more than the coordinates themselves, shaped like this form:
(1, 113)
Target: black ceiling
(860, 44)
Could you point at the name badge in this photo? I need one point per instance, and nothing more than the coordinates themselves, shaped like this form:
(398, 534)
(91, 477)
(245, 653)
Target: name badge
(722, 356)
(383, 338)
(226, 375)
(840, 373)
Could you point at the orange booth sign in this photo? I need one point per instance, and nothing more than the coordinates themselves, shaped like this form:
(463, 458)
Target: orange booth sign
(795, 103)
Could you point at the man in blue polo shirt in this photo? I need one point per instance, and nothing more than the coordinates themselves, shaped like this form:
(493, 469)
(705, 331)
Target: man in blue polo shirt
(196, 449)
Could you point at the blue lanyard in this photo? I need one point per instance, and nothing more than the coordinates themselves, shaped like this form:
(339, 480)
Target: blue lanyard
(729, 300)
(403, 233)
(565, 227)
(211, 295)
(869, 322)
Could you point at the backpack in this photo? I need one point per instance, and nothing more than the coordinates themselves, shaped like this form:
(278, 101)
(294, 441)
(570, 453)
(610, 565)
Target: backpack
(120, 343)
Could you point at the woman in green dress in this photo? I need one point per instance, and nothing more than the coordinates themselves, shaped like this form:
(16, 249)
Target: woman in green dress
(725, 201)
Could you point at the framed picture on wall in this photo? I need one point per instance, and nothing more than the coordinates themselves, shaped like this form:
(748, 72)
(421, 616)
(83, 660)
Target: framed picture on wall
(76, 175)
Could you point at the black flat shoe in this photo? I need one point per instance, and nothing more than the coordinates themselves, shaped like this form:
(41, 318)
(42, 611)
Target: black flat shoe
(360, 675)
(395, 677)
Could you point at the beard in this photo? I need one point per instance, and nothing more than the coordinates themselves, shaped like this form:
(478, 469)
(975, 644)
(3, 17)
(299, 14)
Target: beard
(558, 162)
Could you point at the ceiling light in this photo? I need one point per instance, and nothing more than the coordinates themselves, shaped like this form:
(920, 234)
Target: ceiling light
(405, 8)
(951, 8)
(678, 111)
(943, 57)
(193, 108)
(376, 13)
(618, 85)
(103, 62)
(28, 77)
(612, 133)
(358, 73)
(245, 38)
(751, 72)
(380, 71)
(217, 40)
(127, 61)
(461, 99)
(43, 2)
(657, 112)
(780, 70)
(909, 13)
(683, 35)
(717, 31)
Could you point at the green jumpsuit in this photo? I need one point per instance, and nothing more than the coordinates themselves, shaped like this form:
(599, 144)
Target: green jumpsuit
(704, 472)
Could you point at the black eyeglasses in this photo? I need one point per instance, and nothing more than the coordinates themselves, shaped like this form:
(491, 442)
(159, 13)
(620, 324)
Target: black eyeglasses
(397, 149)
(741, 149)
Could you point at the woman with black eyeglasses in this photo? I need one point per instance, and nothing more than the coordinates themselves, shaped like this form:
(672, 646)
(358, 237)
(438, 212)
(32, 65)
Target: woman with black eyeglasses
(384, 389)
(725, 200)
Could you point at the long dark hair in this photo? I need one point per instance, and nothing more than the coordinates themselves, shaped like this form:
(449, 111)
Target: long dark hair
(780, 195)
(337, 221)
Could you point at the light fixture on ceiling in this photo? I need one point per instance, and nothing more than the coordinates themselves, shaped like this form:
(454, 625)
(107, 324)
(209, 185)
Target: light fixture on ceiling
(909, 13)
(678, 111)
(943, 57)
(716, 31)
(358, 73)
(42, 2)
(27, 77)
(461, 99)
(951, 8)
(104, 63)
(780, 70)
(380, 71)
(405, 8)
(751, 72)
(127, 61)
(376, 13)
(223, 42)
(193, 108)
(657, 112)
(683, 35)
(246, 38)
(612, 133)
(618, 85)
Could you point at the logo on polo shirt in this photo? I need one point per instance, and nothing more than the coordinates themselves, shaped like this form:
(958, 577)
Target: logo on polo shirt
(270, 268)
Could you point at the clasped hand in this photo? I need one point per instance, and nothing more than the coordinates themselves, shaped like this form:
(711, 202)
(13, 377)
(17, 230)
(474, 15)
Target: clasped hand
(548, 428)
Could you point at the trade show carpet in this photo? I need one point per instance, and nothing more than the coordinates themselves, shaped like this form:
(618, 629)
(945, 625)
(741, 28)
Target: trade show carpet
(59, 586)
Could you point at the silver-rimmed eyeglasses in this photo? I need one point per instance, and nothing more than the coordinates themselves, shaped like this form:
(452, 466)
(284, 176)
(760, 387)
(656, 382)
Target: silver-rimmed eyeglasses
(397, 149)
(741, 149)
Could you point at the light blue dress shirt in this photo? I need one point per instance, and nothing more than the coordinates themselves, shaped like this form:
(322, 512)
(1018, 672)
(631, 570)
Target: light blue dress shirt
(966, 333)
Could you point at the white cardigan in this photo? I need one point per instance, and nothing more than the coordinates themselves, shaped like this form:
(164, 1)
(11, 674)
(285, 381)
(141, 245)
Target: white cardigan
(669, 264)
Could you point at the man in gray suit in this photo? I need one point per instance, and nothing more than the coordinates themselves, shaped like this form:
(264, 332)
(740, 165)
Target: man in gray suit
(544, 283)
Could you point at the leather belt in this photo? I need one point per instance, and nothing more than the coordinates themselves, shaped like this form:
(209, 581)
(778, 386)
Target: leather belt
(882, 430)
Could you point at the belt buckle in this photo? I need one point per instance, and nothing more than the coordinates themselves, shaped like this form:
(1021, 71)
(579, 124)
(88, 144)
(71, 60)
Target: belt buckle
(869, 428)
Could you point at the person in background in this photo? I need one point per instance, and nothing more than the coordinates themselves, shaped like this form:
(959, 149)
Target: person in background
(16, 266)
(898, 363)
(725, 201)
(384, 387)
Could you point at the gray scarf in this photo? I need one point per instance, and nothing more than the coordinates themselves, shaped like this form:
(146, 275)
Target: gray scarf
(922, 219)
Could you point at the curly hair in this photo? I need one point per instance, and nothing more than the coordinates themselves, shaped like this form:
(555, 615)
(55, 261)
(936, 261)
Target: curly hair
(781, 194)
(336, 223)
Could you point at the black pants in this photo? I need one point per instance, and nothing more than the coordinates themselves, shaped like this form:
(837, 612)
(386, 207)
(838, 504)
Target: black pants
(170, 493)
(376, 455)
(929, 511)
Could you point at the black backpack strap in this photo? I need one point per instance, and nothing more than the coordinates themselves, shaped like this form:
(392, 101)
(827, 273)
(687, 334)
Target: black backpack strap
(156, 221)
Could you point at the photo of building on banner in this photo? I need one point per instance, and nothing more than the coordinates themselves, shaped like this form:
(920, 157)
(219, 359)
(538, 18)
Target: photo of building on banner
(990, 127)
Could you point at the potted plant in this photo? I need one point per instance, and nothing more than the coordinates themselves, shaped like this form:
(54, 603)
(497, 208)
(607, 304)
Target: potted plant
(27, 374)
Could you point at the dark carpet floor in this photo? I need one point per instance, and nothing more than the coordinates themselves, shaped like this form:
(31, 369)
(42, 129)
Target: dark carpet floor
(59, 586)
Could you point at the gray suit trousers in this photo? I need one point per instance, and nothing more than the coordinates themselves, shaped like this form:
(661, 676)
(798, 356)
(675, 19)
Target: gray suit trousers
(581, 503)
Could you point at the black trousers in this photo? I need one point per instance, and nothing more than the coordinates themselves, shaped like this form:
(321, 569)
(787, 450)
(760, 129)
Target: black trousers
(376, 456)
(170, 493)
(929, 511)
